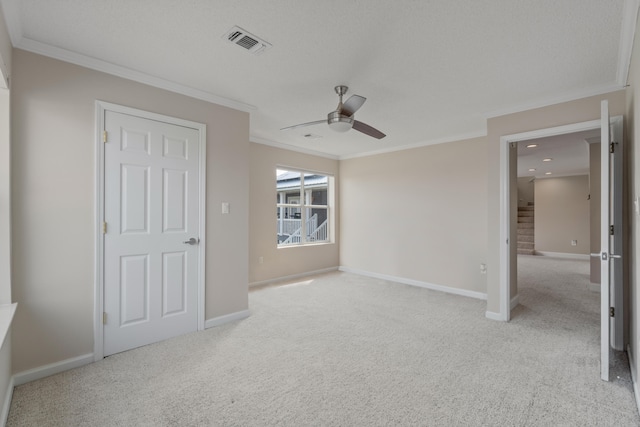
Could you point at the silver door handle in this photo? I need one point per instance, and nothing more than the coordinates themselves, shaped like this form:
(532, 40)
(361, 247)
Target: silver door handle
(191, 241)
(604, 256)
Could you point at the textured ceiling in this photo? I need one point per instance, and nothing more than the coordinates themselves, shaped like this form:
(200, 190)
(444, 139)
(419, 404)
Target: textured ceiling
(569, 155)
(431, 70)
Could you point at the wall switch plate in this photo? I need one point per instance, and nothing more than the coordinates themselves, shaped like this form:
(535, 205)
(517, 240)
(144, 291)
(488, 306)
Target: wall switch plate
(574, 243)
(225, 207)
(636, 205)
(483, 268)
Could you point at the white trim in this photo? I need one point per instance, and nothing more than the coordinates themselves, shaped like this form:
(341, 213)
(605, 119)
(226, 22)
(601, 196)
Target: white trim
(101, 108)
(566, 255)
(627, 33)
(52, 369)
(127, 73)
(98, 194)
(634, 377)
(418, 283)
(505, 234)
(505, 140)
(453, 138)
(493, 316)
(221, 320)
(288, 147)
(292, 277)
(515, 301)
(6, 406)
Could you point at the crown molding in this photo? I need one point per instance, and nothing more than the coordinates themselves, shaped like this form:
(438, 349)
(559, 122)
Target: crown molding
(127, 73)
(627, 34)
(567, 97)
(453, 138)
(274, 144)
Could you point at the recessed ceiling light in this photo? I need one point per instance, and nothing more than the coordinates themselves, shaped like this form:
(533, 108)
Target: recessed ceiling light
(548, 159)
(547, 173)
(532, 145)
(532, 170)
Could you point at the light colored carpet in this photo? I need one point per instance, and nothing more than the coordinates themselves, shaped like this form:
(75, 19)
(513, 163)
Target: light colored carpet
(344, 350)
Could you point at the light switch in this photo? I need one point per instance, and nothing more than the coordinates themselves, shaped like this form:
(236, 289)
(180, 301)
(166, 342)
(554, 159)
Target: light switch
(225, 207)
(636, 205)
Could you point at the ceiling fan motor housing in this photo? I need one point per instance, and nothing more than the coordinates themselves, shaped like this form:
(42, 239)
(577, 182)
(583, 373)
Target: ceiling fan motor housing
(338, 122)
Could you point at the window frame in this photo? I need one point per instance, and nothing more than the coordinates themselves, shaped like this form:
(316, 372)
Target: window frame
(305, 208)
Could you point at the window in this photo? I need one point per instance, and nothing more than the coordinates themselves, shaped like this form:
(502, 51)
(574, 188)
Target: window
(303, 207)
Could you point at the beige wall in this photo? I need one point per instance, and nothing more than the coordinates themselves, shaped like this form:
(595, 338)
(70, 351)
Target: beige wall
(262, 218)
(633, 155)
(566, 113)
(53, 107)
(417, 214)
(526, 192)
(562, 214)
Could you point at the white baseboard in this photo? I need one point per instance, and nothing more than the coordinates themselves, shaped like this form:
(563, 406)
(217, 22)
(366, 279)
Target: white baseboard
(563, 255)
(493, 316)
(7, 402)
(634, 377)
(292, 277)
(447, 289)
(221, 320)
(51, 369)
(515, 301)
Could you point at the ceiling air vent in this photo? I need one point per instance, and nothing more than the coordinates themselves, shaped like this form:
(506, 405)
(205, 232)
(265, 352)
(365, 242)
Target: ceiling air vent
(246, 40)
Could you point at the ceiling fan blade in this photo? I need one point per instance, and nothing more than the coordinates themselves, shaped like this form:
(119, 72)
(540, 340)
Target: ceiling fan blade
(317, 122)
(352, 105)
(368, 130)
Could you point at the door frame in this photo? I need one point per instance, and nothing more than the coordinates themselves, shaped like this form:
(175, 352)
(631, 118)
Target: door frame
(505, 199)
(101, 108)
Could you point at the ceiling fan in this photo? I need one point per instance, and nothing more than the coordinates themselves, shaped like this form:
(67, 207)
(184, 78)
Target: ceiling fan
(341, 120)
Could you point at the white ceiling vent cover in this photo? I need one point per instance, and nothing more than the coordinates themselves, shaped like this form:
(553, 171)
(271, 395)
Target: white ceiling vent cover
(246, 40)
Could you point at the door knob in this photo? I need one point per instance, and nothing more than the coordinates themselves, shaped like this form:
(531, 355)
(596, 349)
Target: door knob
(191, 241)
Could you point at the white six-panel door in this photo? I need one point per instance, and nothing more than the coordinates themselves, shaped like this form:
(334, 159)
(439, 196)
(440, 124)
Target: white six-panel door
(151, 210)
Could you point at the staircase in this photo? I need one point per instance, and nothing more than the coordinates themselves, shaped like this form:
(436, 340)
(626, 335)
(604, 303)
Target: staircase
(525, 230)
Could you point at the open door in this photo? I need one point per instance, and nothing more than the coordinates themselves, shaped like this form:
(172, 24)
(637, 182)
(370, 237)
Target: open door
(611, 232)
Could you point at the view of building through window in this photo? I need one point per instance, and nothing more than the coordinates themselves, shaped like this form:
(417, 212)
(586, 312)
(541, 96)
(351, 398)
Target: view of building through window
(302, 207)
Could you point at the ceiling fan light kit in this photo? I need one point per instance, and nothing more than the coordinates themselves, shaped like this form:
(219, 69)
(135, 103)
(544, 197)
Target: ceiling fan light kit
(342, 120)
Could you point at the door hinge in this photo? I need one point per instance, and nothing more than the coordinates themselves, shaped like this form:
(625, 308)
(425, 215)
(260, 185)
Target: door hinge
(612, 147)
(612, 312)
(611, 230)
(104, 136)
(104, 227)
(104, 317)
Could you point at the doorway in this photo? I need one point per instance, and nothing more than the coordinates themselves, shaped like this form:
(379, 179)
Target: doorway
(611, 242)
(150, 214)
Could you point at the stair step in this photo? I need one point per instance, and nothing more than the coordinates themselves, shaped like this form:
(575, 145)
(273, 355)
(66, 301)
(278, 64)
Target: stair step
(526, 252)
(526, 231)
(526, 237)
(524, 213)
(526, 208)
(525, 225)
(525, 219)
(526, 245)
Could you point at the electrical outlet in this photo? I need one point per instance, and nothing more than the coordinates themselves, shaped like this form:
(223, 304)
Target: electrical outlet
(483, 268)
(574, 243)
(225, 207)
